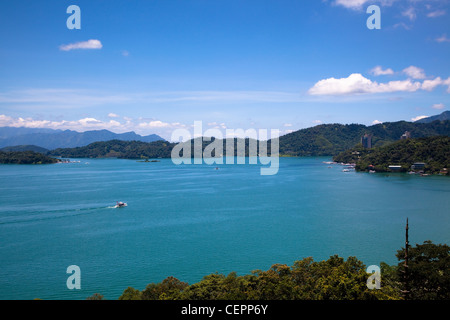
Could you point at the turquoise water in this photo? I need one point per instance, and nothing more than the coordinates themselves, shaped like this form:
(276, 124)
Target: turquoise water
(192, 220)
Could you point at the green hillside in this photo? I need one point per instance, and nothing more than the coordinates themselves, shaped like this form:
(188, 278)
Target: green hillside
(433, 151)
(119, 149)
(331, 139)
(25, 157)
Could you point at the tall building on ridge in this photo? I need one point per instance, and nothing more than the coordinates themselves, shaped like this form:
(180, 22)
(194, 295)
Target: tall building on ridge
(406, 135)
(366, 141)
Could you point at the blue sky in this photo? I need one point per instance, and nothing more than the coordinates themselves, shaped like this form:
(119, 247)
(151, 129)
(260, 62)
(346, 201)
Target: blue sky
(157, 65)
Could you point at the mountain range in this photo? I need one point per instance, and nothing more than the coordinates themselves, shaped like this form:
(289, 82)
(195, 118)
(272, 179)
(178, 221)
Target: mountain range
(321, 140)
(52, 139)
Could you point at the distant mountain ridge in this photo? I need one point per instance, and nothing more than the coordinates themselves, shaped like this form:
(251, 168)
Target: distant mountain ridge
(53, 139)
(441, 117)
(321, 140)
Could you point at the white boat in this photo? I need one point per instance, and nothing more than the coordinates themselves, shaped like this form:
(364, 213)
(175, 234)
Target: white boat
(120, 204)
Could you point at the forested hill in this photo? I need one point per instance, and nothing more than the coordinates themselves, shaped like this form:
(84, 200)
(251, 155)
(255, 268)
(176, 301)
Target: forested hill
(25, 157)
(433, 151)
(140, 150)
(119, 149)
(331, 139)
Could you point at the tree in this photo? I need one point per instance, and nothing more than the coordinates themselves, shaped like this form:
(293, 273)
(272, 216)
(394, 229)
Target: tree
(96, 296)
(169, 289)
(428, 274)
(131, 294)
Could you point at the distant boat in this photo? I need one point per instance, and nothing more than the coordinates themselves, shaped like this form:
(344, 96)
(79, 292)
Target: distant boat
(120, 204)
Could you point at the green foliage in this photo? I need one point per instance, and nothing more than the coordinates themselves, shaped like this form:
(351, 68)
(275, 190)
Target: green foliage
(434, 151)
(25, 157)
(131, 294)
(333, 279)
(119, 149)
(332, 139)
(170, 289)
(428, 276)
(96, 296)
(306, 279)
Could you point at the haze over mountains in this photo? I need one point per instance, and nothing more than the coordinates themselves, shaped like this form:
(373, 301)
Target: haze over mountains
(52, 139)
(321, 140)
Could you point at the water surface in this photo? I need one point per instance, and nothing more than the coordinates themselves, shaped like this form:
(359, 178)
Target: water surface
(192, 220)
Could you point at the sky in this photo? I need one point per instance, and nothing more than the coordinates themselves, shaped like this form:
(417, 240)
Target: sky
(154, 66)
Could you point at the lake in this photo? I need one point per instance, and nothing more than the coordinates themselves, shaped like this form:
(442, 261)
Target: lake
(188, 221)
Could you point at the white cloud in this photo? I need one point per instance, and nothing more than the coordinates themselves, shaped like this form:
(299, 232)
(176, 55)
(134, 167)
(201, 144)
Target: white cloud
(436, 13)
(140, 126)
(378, 71)
(358, 4)
(443, 38)
(429, 85)
(64, 98)
(216, 125)
(447, 83)
(77, 125)
(376, 122)
(438, 106)
(410, 13)
(90, 44)
(317, 121)
(61, 98)
(154, 124)
(357, 84)
(113, 115)
(351, 4)
(414, 72)
(402, 25)
(288, 124)
(418, 118)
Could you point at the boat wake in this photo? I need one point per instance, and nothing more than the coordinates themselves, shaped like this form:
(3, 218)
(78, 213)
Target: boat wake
(37, 216)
